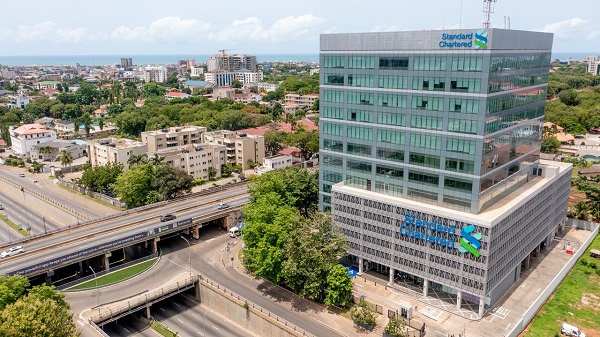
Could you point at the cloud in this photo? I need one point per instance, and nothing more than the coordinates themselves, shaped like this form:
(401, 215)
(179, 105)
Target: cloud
(37, 32)
(45, 31)
(71, 35)
(591, 35)
(566, 27)
(167, 29)
(284, 29)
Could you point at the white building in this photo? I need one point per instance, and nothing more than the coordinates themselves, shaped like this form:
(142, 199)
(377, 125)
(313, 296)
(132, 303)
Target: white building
(113, 150)
(19, 102)
(224, 78)
(154, 74)
(197, 160)
(278, 161)
(76, 148)
(267, 87)
(593, 64)
(302, 101)
(25, 136)
(196, 71)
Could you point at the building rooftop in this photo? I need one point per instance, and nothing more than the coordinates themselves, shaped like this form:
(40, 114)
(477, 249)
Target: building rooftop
(175, 129)
(32, 129)
(489, 216)
(59, 143)
(117, 142)
(307, 124)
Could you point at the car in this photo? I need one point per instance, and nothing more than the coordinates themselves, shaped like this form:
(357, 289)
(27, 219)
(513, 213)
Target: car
(222, 205)
(12, 251)
(167, 217)
(1, 207)
(22, 175)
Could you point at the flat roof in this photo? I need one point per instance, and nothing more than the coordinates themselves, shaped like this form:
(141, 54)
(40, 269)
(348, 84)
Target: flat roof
(489, 216)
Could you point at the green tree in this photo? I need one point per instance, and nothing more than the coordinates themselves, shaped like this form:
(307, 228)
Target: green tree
(171, 183)
(153, 89)
(101, 178)
(363, 313)
(395, 328)
(236, 84)
(134, 187)
(101, 124)
(137, 159)
(11, 289)
(274, 141)
(339, 287)
(569, 97)
(87, 94)
(212, 173)
(315, 106)
(226, 170)
(550, 145)
(307, 141)
(86, 120)
(65, 158)
(156, 160)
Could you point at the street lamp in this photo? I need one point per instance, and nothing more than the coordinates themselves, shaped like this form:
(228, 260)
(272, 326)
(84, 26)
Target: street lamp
(189, 254)
(44, 220)
(97, 292)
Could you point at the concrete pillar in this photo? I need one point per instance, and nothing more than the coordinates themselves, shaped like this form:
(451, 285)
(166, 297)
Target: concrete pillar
(197, 292)
(481, 306)
(360, 265)
(459, 299)
(105, 261)
(527, 261)
(148, 311)
(154, 245)
(80, 267)
(49, 275)
(425, 287)
(196, 232)
(392, 272)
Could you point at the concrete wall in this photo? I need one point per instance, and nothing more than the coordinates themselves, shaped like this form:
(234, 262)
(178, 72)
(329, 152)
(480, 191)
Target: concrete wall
(255, 319)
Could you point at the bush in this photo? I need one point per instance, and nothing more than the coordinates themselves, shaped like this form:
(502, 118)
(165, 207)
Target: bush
(582, 143)
(362, 313)
(598, 272)
(198, 182)
(584, 262)
(594, 265)
(395, 328)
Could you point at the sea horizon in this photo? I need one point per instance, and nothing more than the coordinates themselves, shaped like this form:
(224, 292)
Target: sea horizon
(146, 59)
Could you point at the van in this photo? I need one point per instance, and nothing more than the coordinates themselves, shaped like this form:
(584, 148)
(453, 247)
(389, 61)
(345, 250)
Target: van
(569, 330)
(234, 232)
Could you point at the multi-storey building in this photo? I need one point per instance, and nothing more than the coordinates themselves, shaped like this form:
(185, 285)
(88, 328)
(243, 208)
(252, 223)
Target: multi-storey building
(225, 78)
(154, 74)
(242, 149)
(25, 136)
(302, 101)
(429, 153)
(201, 161)
(50, 151)
(231, 63)
(593, 64)
(19, 101)
(126, 62)
(114, 150)
(173, 137)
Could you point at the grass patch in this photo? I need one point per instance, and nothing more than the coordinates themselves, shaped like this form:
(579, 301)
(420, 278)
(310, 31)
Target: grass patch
(15, 226)
(575, 301)
(115, 277)
(163, 330)
(89, 198)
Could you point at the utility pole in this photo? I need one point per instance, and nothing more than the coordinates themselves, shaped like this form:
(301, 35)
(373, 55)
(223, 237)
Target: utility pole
(44, 220)
(97, 291)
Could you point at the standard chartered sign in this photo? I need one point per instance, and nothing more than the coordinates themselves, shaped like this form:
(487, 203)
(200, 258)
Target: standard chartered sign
(464, 40)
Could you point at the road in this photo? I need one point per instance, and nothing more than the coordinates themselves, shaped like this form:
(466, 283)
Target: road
(75, 240)
(22, 215)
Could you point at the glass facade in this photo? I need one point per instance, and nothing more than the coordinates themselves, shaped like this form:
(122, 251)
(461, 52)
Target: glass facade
(440, 127)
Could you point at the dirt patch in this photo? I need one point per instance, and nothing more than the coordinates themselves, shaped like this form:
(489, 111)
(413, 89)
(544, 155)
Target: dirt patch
(575, 196)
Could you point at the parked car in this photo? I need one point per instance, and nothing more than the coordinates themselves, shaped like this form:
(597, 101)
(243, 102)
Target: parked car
(22, 175)
(570, 330)
(222, 205)
(167, 217)
(12, 251)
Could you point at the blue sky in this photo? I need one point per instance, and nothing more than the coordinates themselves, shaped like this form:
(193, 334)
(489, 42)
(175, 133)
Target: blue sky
(69, 27)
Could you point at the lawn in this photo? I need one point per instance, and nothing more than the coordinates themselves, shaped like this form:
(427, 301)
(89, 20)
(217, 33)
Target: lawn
(162, 330)
(576, 301)
(115, 277)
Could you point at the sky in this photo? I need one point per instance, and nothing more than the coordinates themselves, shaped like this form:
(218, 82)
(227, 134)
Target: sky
(137, 27)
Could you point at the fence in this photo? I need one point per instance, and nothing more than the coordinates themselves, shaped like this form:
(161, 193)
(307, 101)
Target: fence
(102, 197)
(535, 307)
(104, 272)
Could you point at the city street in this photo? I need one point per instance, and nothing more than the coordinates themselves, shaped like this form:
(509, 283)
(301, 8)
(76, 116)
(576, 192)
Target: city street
(20, 214)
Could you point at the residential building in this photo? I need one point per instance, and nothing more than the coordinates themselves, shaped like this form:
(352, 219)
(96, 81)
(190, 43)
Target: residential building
(196, 71)
(242, 149)
(113, 150)
(173, 137)
(64, 126)
(173, 94)
(154, 74)
(19, 101)
(231, 63)
(25, 136)
(48, 85)
(223, 92)
(246, 98)
(126, 62)
(593, 64)
(277, 161)
(302, 101)
(49, 151)
(267, 87)
(429, 156)
(224, 78)
(201, 161)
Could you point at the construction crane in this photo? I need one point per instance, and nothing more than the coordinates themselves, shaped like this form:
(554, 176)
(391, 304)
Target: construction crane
(222, 51)
(488, 9)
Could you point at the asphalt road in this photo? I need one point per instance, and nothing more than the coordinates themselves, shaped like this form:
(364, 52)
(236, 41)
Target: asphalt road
(22, 215)
(98, 234)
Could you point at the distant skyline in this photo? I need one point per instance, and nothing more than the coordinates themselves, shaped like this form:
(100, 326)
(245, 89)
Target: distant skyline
(135, 27)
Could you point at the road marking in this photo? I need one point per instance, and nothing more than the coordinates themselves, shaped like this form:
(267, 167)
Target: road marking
(80, 323)
(177, 305)
(163, 310)
(491, 319)
(508, 326)
(538, 290)
(441, 333)
(195, 315)
(200, 333)
(216, 328)
(180, 321)
(126, 330)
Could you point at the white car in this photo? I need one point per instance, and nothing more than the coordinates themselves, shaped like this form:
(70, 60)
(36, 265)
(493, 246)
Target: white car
(12, 251)
(222, 205)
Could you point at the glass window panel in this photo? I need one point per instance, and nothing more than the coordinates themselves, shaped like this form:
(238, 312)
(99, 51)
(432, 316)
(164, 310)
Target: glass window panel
(392, 137)
(425, 141)
(360, 116)
(460, 145)
(333, 96)
(363, 98)
(360, 80)
(334, 79)
(391, 155)
(387, 62)
(393, 82)
(357, 132)
(464, 105)
(389, 118)
(391, 100)
(361, 62)
(333, 62)
(426, 122)
(331, 112)
(462, 125)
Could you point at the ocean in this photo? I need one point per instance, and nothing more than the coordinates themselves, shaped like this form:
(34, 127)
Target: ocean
(98, 60)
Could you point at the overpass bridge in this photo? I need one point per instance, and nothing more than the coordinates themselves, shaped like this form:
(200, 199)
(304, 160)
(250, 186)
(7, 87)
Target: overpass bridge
(67, 253)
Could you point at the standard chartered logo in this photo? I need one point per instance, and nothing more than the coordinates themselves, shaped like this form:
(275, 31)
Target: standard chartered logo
(469, 243)
(481, 39)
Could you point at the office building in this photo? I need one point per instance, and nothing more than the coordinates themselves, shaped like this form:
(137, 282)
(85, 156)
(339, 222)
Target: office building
(126, 62)
(429, 153)
(173, 137)
(201, 161)
(113, 150)
(242, 149)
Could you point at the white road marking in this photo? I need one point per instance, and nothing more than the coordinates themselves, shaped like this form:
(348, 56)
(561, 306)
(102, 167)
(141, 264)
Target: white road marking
(200, 333)
(126, 330)
(195, 315)
(216, 328)
(177, 304)
(180, 321)
(80, 323)
(163, 310)
(508, 326)
(538, 290)
(441, 333)
(491, 319)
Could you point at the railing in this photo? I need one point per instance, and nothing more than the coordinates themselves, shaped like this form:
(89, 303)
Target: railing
(104, 272)
(502, 189)
(102, 197)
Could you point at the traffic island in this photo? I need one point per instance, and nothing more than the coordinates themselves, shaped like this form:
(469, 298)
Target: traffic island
(162, 329)
(15, 226)
(115, 277)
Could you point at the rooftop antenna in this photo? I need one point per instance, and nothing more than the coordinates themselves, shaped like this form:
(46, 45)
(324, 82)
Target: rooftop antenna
(508, 17)
(460, 16)
(488, 9)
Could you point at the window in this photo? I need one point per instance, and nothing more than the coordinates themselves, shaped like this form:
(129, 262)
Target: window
(393, 137)
(465, 85)
(393, 82)
(358, 149)
(464, 105)
(467, 63)
(429, 83)
(424, 178)
(359, 133)
(460, 145)
(391, 100)
(363, 98)
(389, 154)
(333, 62)
(333, 145)
(332, 129)
(334, 79)
(335, 113)
(459, 165)
(429, 63)
(389, 118)
(358, 166)
(427, 103)
(393, 62)
(333, 96)
(462, 125)
(360, 116)
(388, 171)
(425, 141)
(333, 177)
(387, 188)
(457, 184)
(361, 62)
(360, 80)
(424, 160)
(426, 122)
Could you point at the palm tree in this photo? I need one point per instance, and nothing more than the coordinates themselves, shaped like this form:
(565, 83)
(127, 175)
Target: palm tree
(156, 160)
(65, 158)
(46, 150)
(211, 173)
(137, 159)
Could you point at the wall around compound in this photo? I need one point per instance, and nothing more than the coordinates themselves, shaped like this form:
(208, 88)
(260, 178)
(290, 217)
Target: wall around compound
(255, 319)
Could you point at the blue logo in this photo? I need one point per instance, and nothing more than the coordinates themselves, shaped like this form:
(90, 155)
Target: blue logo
(481, 39)
(470, 243)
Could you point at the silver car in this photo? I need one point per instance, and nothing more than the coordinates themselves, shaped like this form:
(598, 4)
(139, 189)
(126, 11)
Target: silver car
(12, 251)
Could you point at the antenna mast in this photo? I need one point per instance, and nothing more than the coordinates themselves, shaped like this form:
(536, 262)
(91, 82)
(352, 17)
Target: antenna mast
(488, 9)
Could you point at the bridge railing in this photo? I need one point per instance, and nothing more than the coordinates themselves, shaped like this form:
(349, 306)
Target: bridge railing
(207, 191)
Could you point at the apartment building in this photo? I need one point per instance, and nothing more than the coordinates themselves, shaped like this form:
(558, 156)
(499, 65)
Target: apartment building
(302, 101)
(225, 78)
(242, 149)
(593, 64)
(25, 136)
(113, 150)
(49, 151)
(173, 137)
(231, 63)
(19, 101)
(201, 161)
(153, 74)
